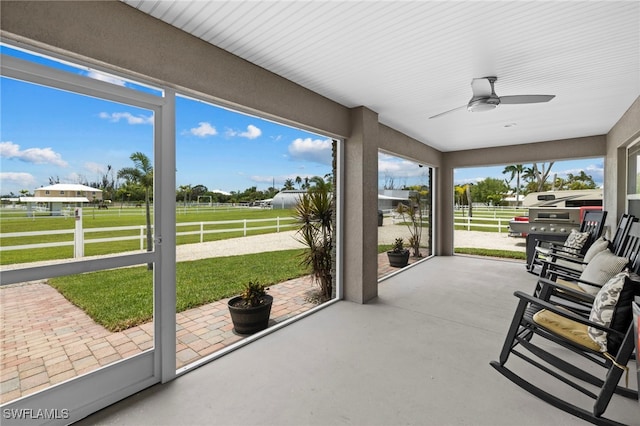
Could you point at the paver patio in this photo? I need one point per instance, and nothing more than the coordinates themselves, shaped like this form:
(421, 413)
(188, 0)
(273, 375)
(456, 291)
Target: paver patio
(44, 339)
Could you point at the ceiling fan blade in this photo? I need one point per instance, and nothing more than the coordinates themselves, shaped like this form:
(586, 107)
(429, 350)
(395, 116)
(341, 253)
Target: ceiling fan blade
(525, 99)
(447, 112)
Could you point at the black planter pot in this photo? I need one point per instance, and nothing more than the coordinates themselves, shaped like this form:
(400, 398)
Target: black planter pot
(250, 320)
(398, 260)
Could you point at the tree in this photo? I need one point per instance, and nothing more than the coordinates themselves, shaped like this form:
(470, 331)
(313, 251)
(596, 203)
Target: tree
(579, 181)
(459, 195)
(413, 209)
(490, 191)
(184, 191)
(142, 174)
(537, 177)
(515, 170)
(288, 185)
(314, 213)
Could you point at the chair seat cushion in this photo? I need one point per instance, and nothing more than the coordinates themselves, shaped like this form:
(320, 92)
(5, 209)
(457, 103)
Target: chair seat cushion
(569, 329)
(571, 284)
(604, 266)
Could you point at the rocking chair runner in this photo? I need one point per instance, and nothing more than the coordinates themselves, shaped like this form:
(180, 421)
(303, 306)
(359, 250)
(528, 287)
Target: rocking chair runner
(606, 339)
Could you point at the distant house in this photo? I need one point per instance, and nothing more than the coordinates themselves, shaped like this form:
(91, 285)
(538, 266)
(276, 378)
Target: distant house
(54, 197)
(388, 199)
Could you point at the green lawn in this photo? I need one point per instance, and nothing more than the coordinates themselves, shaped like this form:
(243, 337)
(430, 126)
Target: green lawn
(491, 253)
(123, 298)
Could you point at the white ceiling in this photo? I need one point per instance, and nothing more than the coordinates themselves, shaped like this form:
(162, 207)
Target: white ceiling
(410, 60)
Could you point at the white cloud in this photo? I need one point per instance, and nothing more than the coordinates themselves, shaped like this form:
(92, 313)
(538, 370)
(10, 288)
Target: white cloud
(10, 150)
(262, 179)
(115, 117)
(315, 150)
(594, 170)
(23, 180)
(252, 132)
(398, 167)
(95, 167)
(204, 129)
(97, 75)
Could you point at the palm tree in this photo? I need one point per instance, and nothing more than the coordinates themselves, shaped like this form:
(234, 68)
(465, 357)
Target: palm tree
(288, 185)
(538, 175)
(314, 213)
(141, 174)
(515, 170)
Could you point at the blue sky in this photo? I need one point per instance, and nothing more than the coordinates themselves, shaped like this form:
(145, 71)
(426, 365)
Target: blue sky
(47, 133)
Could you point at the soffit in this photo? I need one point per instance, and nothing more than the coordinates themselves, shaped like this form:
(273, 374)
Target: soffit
(410, 60)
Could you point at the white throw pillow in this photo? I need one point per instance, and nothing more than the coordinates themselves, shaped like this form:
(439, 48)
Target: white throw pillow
(598, 245)
(604, 266)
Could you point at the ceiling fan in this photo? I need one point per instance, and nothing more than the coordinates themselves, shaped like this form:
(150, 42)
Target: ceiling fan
(485, 98)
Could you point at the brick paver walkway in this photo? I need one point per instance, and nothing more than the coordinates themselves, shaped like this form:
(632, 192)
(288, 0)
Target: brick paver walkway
(44, 339)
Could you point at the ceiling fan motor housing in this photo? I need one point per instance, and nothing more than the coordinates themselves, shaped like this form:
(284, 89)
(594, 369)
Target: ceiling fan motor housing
(483, 104)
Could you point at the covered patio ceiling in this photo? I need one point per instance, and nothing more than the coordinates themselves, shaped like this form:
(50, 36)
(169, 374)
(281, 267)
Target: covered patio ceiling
(411, 60)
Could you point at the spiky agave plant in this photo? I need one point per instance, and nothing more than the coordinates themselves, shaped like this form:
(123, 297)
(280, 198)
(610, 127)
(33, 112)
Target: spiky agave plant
(314, 213)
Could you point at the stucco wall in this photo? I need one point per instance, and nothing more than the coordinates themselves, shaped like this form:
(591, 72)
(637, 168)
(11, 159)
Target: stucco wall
(624, 133)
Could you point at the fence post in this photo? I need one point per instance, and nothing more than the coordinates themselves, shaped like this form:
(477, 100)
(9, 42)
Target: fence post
(278, 224)
(468, 223)
(245, 227)
(141, 237)
(499, 225)
(78, 236)
(201, 232)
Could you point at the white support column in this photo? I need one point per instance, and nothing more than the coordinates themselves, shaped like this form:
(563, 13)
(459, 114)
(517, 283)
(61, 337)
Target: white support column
(165, 240)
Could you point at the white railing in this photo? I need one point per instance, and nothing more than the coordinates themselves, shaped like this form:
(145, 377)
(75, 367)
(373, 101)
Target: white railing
(281, 223)
(502, 224)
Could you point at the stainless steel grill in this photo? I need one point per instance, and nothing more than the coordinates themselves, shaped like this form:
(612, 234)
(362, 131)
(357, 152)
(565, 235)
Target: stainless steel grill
(548, 220)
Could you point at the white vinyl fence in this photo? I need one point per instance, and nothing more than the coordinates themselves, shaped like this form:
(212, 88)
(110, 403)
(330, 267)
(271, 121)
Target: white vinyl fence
(138, 232)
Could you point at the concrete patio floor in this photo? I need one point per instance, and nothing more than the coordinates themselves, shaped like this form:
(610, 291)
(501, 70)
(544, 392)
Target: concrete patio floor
(418, 355)
(45, 339)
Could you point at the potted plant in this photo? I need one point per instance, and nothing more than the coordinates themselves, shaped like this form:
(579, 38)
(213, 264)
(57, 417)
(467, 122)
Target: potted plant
(251, 309)
(398, 255)
(412, 211)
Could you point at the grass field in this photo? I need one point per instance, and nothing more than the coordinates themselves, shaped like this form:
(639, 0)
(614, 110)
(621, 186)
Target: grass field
(122, 298)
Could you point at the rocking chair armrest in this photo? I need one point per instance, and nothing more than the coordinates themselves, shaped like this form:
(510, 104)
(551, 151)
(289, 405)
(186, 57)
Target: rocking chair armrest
(579, 259)
(527, 298)
(554, 267)
(567, 290)
(551, 242)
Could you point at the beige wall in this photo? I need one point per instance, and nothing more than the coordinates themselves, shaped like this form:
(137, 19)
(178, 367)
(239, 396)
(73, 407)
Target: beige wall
(624, 133)
(121, 39)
